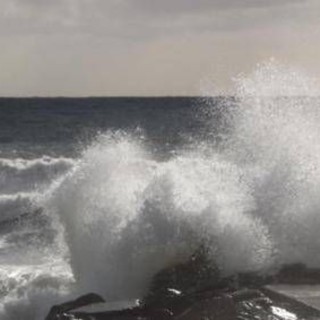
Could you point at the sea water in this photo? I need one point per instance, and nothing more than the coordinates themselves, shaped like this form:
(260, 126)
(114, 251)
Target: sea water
(99, 194)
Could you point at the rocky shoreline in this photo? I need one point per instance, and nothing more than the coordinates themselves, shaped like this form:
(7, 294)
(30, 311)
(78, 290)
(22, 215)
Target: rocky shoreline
(244, 304)
(179, 293)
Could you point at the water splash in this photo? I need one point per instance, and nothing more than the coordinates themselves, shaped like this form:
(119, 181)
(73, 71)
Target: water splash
(254, 202)
(128, 216)
(275, 131)
(251, 198)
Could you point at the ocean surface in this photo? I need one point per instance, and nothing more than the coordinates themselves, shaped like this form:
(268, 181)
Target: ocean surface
(99, 194)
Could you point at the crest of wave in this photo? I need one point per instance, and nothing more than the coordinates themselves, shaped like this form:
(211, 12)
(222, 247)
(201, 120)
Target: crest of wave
(276, 139)
(127, 216)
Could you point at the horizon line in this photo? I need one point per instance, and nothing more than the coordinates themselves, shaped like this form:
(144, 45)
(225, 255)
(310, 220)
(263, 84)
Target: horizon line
(152, 97)
(111, 97)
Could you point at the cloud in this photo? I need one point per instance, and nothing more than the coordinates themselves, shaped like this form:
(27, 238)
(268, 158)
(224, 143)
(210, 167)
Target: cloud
(144, 18)
(191, 6)
(84, 47)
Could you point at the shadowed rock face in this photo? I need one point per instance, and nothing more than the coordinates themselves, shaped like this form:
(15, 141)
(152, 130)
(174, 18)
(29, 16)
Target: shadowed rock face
(192, 276)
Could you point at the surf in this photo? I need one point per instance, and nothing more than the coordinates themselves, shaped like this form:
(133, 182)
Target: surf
(127, 215)
(249, 195)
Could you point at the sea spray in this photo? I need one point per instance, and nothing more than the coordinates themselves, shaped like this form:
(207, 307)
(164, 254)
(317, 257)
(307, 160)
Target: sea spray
(248, 193)
(276, 136)
(253, 203)
(128, 216)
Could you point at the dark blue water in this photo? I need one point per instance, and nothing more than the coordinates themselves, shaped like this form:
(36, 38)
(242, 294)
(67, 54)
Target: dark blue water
(63, 125)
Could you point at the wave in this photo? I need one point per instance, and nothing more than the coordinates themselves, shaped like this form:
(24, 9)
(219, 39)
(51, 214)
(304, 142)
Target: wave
(21, 164)
(29, 291)
(252, 200)
(20, 174)
(12, 206)
(128, 216)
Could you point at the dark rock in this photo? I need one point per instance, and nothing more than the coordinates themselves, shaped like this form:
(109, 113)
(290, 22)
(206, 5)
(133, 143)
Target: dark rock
(195, 290)
(246, 304)
(192, 276)
(182, 308)
(57, 312)
(297, 274)
(216, 308)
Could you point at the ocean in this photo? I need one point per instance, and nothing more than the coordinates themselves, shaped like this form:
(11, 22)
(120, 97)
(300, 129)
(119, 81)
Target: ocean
(100, 194)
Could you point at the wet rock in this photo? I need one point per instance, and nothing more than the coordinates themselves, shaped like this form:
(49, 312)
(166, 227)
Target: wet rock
(191, 276)
(297, 274)
(59, 312)
(215, 308)
(195, 290)
(179, 308)
(245, 304)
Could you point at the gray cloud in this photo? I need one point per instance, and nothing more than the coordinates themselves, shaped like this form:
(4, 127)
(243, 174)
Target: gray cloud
(140, 17)
(71, 47)
(191, 6)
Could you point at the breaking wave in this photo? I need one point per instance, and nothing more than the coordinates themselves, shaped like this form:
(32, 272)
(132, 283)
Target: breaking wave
(128, 216)
(12, 206)
(252, 199)
(18, 175)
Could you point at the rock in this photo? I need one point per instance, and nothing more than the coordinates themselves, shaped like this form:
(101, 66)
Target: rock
(297, 274)
(246, 304)
(191, 276)
(215, 308)
(195, 290)
(179, 308)
(57, 312)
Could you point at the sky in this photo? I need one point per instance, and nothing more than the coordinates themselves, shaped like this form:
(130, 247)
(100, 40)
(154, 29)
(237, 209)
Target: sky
(149, 47)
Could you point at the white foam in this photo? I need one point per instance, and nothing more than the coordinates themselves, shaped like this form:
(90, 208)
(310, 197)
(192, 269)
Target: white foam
(29, 291)
(22, 175)
(13, 205)
(128, 216)
(24, 164)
